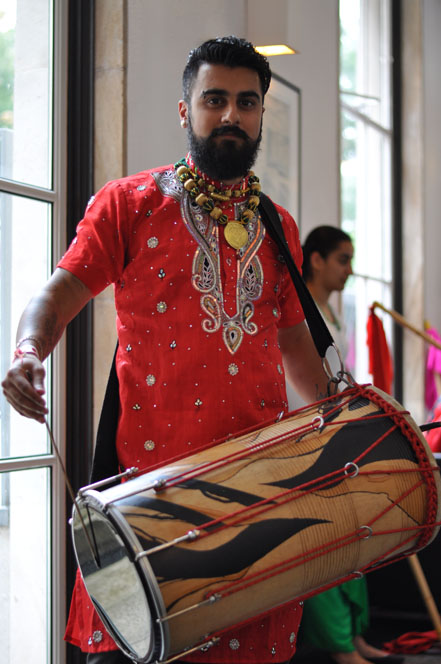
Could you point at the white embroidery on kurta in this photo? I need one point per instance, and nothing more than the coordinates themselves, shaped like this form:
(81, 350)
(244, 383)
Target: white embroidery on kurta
(168, 184)
(206, 268)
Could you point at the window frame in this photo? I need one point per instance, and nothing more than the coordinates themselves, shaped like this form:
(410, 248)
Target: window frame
(79, 335)
(393, 133)
(55, 197)
(72, 72)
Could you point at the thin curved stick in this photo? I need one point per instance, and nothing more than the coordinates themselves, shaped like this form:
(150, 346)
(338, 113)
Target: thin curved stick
(404, 323)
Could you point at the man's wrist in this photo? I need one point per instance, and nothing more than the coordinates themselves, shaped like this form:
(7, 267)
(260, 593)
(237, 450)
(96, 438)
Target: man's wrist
(26, 350)
(31, 345)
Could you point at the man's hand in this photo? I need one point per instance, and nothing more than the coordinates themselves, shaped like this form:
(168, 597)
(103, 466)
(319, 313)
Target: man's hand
(40, 328)
(23, 387)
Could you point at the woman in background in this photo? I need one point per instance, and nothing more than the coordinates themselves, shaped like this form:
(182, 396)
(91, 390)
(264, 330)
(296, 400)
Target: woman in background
(335, 620)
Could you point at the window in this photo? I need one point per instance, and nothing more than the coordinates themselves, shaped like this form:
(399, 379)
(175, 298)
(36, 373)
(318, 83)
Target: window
(366, 165)
(32, 109)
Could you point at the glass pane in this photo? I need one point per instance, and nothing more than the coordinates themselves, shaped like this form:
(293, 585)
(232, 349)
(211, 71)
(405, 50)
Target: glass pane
(358, 296)
(365, 58)
(366, 196)
(24, 565)
(366, 167)
(26, 91)
(24, 267)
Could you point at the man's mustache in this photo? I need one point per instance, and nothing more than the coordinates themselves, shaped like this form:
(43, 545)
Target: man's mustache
(229, 130)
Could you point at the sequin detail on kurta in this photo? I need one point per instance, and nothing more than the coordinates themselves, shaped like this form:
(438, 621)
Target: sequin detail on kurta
(187, 345)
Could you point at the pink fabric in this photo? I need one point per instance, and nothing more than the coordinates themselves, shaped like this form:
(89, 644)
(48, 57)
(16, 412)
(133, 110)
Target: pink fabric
(433, 365)
(433, 436)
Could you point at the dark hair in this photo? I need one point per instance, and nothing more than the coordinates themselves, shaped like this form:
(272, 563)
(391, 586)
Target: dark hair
(323, 239)
(229, 51)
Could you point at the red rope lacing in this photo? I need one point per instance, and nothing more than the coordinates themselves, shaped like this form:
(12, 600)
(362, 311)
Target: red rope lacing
(314, 485)
(423, 463)
(424, 469)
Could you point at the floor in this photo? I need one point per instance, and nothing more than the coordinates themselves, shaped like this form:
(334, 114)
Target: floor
(385, 626)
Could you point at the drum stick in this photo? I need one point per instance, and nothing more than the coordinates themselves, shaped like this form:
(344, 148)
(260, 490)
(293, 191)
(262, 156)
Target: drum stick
(425, 593)
(71, 493)
(404, 323)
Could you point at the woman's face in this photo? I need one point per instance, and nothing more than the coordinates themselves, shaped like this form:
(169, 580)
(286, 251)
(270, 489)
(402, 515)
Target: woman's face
(334, 270)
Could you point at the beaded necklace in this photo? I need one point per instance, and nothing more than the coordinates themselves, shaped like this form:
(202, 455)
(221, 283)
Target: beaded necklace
(206, 194)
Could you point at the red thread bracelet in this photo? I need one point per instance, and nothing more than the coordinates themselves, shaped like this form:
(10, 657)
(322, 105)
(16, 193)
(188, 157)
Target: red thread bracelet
(21, 354)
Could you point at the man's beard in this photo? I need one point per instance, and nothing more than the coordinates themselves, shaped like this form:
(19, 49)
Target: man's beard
(226, 159)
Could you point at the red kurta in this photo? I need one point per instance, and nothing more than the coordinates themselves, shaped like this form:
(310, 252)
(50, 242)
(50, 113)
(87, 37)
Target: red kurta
(198, 355)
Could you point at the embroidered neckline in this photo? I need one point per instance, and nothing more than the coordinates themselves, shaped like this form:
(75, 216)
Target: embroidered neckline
(213, 200)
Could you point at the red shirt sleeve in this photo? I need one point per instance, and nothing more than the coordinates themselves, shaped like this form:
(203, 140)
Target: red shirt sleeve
(96, 255)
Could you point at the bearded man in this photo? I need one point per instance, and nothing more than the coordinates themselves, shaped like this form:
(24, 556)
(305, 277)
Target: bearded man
(208, 321)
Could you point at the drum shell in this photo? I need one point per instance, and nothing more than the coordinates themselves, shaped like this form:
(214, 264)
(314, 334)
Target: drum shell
(271, 541)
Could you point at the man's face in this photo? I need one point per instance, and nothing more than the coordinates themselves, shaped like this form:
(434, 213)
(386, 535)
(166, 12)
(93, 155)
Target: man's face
(224, 120)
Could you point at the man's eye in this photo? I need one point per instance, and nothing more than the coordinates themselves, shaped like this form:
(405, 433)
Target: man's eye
(214, 101)
(247, 103)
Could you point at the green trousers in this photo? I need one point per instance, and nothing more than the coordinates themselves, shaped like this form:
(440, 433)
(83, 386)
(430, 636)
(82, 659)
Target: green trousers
(331, 619)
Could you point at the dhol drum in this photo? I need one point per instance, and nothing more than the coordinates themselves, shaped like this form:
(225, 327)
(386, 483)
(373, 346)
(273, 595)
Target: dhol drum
(175, 556)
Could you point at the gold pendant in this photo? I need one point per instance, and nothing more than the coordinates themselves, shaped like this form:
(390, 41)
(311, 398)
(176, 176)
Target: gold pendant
(236, 234)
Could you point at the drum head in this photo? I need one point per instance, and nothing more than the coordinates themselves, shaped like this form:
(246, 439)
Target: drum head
(113, 583)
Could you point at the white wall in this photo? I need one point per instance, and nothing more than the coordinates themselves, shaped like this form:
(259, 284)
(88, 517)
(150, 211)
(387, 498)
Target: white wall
(314, 31)
(160, 34)
(432, 159)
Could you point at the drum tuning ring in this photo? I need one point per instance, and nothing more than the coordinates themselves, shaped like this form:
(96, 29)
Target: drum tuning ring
(209, 644)
(215, 597)
(357, 574)
(193, 534)
(346, 377)
(320, 422)
(349, 472)
(367, 530)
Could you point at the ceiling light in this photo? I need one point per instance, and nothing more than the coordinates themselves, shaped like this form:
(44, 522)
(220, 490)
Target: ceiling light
(275, 49)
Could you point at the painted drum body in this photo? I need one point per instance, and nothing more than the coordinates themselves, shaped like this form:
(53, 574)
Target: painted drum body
(183, 552)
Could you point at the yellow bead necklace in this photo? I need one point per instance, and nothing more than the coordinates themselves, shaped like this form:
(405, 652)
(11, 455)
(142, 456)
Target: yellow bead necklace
(235, 232)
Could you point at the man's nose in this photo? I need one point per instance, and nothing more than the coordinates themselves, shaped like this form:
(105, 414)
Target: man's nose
(231, 114)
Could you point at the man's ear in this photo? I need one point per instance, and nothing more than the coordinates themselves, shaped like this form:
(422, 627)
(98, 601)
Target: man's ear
(183, 113)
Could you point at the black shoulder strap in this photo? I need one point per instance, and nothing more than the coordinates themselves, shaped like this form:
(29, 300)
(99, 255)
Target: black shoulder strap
(105, 460)
(318, 328)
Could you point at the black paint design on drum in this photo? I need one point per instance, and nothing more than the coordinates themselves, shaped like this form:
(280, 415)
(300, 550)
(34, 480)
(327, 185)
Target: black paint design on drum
(169, 510)
(359, 402)
(163, 510)
(221, 493)
(347, 444)
(237, 554)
